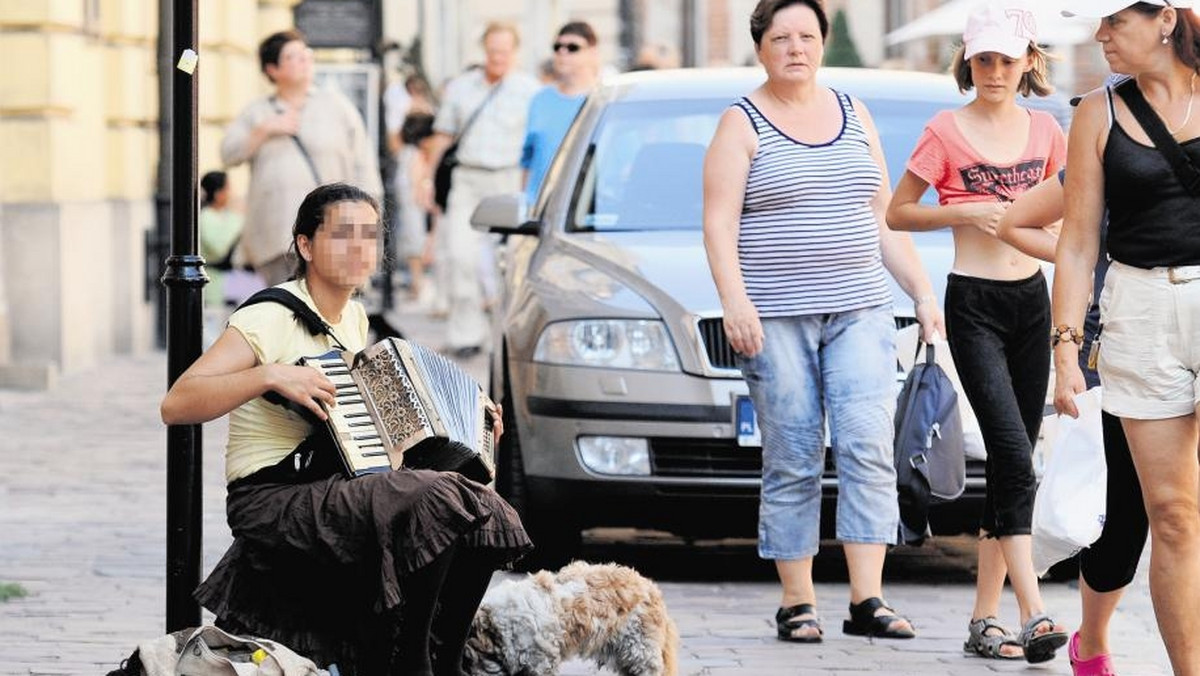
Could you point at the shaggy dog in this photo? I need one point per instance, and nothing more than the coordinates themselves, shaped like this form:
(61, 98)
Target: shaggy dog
(603, 612)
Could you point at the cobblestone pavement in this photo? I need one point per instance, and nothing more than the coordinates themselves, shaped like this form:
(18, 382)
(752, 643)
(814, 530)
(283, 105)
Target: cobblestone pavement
(82, 528)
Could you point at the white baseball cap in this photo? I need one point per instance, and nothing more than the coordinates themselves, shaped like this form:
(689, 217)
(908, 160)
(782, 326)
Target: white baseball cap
(1004, 26)
(1098, 9)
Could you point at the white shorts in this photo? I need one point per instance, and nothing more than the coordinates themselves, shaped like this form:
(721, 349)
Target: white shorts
(1150, 341)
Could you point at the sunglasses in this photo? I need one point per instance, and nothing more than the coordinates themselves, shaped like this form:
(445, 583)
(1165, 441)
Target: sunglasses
(571, 47)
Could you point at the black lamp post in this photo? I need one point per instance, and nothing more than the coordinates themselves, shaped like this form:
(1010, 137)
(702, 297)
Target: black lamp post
(184, 279)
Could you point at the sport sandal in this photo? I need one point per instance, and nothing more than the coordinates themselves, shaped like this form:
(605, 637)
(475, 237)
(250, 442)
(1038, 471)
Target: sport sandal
(1040, 647)
(864, 622)
(991, 645)
(786, 624)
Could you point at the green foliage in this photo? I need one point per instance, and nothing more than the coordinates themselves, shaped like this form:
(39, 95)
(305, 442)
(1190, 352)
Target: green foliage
(10, 591)
(841, 50)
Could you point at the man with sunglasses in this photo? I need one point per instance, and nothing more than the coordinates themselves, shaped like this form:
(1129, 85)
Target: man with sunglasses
(576, 69)
(484, 110)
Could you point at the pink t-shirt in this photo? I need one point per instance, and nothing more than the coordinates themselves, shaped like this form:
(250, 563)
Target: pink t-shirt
(945, 160)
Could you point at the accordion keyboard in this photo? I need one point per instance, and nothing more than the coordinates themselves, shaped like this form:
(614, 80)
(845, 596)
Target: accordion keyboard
(349, 421)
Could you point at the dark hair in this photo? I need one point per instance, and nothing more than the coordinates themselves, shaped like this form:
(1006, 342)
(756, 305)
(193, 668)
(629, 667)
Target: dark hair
(416, 128)
(417, 84)
(764, 13)
(272, 45)
(580, 29)
(1185, 37)
(1034, 83)
(312, 213)
(212, 183)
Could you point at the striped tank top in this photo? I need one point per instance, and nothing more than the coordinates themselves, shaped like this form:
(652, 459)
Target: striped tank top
(809, 240)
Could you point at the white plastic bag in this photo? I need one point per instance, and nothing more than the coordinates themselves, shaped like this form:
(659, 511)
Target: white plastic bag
(1068, 513)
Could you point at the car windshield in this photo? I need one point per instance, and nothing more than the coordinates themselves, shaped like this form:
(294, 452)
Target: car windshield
(644, 166)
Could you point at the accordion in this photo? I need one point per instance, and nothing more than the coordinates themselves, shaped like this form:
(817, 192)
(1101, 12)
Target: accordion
(398, 403)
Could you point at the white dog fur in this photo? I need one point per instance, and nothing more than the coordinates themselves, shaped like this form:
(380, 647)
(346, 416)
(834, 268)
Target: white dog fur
(603, 612)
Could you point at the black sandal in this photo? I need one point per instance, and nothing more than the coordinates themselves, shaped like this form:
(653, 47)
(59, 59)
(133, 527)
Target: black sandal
(786, 624)
(1040, 647)
(864, 622)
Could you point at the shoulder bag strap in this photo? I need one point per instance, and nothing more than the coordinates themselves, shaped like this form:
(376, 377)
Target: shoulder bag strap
(308, 159)
(1187, 173)
(312, 166)
(471, 120)
(303, 313)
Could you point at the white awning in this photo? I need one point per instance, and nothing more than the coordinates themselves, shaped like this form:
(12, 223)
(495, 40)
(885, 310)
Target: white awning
(950, 18)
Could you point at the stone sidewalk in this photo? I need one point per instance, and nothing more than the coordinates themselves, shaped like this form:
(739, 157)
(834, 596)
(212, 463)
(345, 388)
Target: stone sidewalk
(82, 528)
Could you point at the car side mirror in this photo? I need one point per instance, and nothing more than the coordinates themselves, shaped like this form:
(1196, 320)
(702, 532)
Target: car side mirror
(505, 214)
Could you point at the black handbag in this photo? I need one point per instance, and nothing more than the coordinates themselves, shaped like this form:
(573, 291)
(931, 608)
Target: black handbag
(443, 173)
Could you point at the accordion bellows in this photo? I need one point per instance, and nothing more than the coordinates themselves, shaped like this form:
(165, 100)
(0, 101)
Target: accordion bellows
(399, 403)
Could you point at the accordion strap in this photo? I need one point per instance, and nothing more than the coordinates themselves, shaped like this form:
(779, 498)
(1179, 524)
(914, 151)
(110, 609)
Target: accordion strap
(301, 310)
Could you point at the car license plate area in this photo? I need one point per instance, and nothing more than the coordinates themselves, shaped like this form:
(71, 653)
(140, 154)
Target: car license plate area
(746, 423)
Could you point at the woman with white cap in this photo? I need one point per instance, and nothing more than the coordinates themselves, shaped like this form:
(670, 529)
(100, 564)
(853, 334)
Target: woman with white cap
(979, 158)
(1150, 306)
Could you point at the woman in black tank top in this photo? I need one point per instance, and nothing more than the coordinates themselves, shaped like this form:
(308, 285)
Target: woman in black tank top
(1147, 361)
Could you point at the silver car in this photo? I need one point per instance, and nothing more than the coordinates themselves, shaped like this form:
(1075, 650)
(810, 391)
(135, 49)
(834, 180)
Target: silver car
(623, 404)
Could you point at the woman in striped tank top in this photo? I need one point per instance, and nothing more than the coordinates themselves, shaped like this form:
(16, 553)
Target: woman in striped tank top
(979, 158)
(794, 191)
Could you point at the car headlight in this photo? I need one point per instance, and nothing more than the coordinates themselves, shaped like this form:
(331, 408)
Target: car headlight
(641, 344)
(619, 456)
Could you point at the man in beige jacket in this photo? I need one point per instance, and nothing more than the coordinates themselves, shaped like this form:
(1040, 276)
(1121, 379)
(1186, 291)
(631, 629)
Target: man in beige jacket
(297, 138)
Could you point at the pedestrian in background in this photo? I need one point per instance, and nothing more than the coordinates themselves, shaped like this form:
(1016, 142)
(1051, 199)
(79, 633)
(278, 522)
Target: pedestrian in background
(219, 226)
(979, 158)
(295, 139)
(656, 56)
(402, 98)
(1150, 305)
(494, 101)
(412, 221)
(554, 107)
(795, 187)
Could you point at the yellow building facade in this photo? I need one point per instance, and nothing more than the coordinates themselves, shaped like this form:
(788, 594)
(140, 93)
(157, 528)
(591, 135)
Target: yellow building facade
(78, 162)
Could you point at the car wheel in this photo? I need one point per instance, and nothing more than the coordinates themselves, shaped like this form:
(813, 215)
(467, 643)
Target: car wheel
(556, 537)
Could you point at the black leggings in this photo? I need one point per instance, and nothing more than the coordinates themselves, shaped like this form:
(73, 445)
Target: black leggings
(440, 601)
(1110, 563)
(999, 337)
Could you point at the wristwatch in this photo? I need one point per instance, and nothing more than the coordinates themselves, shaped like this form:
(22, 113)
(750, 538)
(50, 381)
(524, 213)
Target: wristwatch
(1062, 333)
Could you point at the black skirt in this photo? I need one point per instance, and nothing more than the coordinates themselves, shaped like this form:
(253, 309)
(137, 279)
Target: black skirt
(316, 566)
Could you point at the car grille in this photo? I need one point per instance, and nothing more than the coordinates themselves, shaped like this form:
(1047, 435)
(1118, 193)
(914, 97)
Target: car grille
(716, 345)
(694, 458)
(720, 354)
(691, 457)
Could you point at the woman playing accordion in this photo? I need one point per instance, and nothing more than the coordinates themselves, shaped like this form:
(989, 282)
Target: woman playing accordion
(321, 562)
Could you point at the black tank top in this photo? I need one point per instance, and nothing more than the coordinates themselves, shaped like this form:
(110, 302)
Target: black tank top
(1153, 220)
